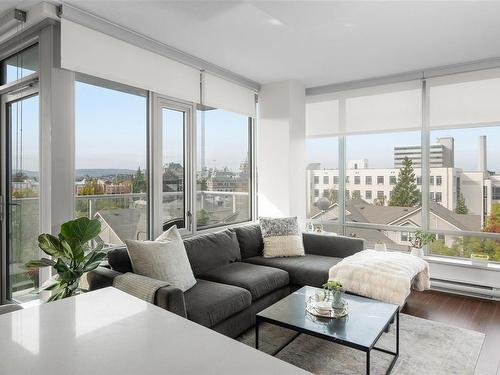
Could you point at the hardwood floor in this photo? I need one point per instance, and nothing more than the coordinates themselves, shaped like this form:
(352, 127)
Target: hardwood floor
(466, 312)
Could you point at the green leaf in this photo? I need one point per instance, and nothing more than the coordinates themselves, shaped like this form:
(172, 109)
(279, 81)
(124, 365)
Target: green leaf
(68, 250)
(44, 262)
(50, 245)
(81, 229)
(94, 261)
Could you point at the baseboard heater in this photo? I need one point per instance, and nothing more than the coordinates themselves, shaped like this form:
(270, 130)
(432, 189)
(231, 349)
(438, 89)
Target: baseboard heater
(468, 289)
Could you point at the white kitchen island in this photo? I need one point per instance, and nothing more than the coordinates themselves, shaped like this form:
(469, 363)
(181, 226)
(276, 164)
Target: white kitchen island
(110, 332)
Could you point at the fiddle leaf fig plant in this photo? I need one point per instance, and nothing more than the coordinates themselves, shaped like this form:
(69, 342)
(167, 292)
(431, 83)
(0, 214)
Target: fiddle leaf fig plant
(75, 251)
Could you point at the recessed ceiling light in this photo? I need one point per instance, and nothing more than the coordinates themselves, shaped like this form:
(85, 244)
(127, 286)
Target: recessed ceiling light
(349, 25)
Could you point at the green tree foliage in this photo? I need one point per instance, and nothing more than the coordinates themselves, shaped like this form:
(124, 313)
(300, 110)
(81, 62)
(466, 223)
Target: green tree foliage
(492, 224)
(405, 192)
(139, 182)
(461, 206)
(91, 187)
(202, 217)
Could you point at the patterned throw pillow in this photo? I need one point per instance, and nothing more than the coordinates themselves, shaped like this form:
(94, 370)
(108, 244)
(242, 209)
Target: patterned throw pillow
(282, 237)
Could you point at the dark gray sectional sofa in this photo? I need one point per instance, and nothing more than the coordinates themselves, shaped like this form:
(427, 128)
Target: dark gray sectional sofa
(234, 280)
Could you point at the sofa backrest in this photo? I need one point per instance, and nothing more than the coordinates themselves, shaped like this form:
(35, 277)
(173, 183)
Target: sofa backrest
(205, 252)
(209, 251)
(250, 240)
(119, 260)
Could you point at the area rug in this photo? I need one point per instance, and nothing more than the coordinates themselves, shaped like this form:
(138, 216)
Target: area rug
(426, 347)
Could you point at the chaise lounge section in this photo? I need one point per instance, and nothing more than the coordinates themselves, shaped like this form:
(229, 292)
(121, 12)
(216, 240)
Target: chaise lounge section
(234, 280)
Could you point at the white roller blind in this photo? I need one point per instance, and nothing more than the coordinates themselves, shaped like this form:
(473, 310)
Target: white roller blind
(91, 52)
(223, 94)
(392, 107)
(466, 99)
(322, 116)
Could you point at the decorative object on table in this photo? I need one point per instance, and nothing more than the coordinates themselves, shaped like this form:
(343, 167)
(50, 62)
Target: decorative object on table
(324, 309)
(419, 240)
(380, 246)
(75, 251)
(281, 237)
(334, 290)
(479, 259)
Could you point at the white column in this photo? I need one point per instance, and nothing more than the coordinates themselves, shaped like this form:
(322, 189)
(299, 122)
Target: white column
(281, 150)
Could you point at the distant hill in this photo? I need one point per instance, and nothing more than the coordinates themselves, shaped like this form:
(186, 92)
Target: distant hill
(104, 172)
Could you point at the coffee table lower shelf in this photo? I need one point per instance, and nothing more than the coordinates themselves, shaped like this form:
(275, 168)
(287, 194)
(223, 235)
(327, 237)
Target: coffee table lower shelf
(367, 350)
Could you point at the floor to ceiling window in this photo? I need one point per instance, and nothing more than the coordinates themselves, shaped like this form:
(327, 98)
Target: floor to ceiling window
(20, 182)
(382, 130)
(464, 117)
(111, 153)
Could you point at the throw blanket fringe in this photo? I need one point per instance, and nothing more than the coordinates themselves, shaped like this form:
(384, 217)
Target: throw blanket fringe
(382, 275)
(139, 286)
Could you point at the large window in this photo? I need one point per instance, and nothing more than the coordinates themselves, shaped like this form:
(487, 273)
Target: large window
(111, 170)
(223, 175)
(381, 130)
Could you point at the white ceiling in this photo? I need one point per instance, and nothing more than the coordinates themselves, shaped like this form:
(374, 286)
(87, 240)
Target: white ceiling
(316, 42)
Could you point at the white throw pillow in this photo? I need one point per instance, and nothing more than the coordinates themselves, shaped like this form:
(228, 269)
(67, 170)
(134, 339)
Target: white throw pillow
(281, 237)
(164, 259)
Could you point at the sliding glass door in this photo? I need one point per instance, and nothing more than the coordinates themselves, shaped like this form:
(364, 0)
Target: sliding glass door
(20, 192)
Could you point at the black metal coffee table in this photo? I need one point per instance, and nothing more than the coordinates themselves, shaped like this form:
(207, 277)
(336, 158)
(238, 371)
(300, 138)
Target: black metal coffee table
(360, 329)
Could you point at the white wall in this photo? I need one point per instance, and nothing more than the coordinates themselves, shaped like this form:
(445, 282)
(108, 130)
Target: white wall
(281, 150)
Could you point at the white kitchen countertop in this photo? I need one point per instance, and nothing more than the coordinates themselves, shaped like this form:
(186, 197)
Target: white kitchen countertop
(110, 332)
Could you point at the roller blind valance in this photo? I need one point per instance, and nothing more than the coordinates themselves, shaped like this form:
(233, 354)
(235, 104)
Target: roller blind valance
(392, 107)
(465, 99)
(220, 93)
(91, 52)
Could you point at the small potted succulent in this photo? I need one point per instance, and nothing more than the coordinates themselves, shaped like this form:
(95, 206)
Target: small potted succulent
(334, 288)
(419, 240)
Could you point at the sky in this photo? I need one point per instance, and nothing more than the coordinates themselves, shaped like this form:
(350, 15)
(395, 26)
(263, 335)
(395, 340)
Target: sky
(111, 132)
(379, 148)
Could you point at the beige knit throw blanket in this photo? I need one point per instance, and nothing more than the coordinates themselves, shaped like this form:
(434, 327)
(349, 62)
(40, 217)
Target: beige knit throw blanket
(384, 275)
(139, 286)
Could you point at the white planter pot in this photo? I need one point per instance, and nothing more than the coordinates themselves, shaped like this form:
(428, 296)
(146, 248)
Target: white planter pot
(417, 252)
(380, 247)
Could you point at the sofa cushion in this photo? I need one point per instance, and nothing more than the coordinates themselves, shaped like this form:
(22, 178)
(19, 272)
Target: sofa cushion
(209, 303)
(209, 251)
(250, 240)
(309, 270)
(164, 259)
(281, 237)
(258, 280)
(119, 260)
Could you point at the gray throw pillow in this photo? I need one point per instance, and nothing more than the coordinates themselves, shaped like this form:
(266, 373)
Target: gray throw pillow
(164, 259)
(281, 237)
